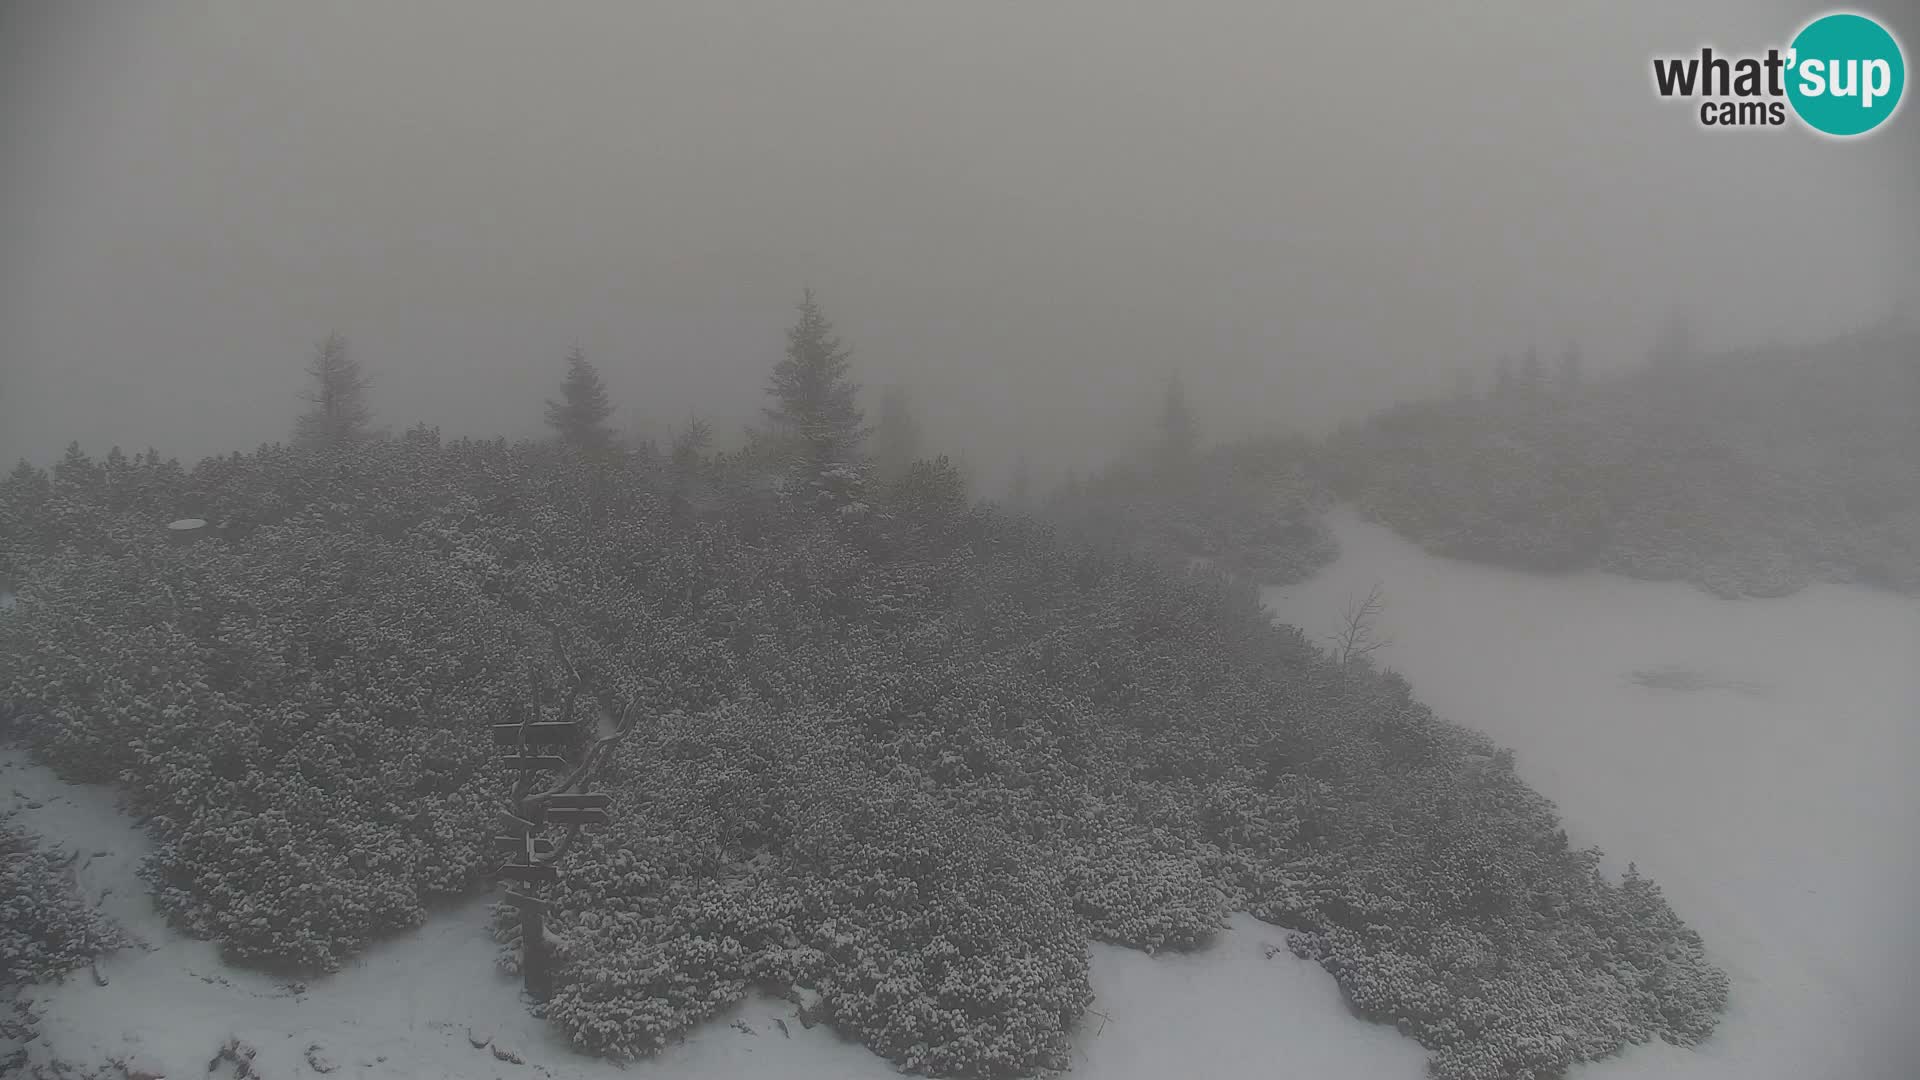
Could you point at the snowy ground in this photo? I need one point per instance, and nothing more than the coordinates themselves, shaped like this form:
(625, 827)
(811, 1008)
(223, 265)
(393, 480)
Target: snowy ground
(1766, 779)
(1762, 779)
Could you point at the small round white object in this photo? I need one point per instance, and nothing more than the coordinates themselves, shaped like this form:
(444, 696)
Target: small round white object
(186, 530)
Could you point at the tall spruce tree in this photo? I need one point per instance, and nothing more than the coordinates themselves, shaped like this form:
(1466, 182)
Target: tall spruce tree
(580, 416)
(76, 469)
(689, 444)
(1179, 434)
(815, 416)
(338, 396)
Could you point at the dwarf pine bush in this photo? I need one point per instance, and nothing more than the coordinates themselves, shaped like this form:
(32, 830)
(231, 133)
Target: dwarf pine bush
(903, 765)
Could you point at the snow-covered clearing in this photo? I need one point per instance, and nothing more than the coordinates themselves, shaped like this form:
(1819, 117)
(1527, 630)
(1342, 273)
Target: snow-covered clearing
(1765, 778)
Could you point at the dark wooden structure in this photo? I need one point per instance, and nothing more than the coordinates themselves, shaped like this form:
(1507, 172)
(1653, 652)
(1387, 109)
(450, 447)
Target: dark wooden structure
(537, 751)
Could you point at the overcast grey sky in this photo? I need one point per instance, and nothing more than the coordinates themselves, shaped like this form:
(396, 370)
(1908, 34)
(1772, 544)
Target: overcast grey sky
(1029, 213)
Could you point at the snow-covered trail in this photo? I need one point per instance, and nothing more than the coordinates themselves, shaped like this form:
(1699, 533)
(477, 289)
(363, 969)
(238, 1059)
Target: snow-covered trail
(1776, 807)
(431, 1005)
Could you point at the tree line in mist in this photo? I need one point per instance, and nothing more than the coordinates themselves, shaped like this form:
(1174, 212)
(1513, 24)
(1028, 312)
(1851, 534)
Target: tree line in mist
(1751, 473)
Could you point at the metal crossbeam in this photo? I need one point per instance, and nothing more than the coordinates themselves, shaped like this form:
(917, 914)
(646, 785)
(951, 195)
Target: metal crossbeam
(517, 845)
(528, 872)
(548, 762)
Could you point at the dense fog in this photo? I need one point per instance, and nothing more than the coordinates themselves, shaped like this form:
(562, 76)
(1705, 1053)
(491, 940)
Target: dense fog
(830, 539)
(1027, 217)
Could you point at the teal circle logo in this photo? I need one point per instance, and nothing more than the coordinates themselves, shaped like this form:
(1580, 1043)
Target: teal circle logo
(1845, 74)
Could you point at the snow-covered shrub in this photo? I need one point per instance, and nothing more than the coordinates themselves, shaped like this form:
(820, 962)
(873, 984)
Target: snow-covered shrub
(941, 945)
(284, 715)
(1133, 887)
(46, 928)
(1498, 946)
(904, 766)
(945, 947)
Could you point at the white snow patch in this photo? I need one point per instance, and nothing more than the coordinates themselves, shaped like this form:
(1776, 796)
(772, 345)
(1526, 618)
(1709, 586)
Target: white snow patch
(1780, 819)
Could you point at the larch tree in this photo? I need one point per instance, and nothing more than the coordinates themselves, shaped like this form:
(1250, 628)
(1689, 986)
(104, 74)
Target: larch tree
(816, 418)
(337, 394)
(580, 416)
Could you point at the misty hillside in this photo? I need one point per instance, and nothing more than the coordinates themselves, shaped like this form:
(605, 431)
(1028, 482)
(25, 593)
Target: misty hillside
(901, 756)
(1162, 644)
(1250, 508)
(1751, 473)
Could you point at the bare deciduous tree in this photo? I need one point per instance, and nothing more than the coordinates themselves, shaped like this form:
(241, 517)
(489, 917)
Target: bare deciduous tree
(1359, 636)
